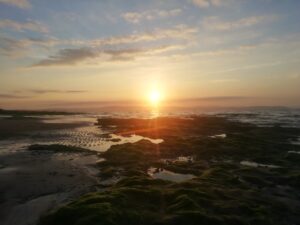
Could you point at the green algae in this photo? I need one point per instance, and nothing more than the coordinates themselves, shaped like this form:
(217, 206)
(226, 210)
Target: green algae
(223, 191)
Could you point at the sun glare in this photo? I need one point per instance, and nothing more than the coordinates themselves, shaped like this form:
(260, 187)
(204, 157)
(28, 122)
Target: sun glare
(155, 97)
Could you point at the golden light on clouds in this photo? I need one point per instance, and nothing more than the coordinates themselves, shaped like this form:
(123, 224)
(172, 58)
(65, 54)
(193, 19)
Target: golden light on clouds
(157, 55)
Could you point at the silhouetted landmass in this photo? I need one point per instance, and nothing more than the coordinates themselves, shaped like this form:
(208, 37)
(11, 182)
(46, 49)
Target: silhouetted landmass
(33, 113)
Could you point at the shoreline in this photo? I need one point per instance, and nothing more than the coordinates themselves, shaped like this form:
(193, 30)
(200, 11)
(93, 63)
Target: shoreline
(203, 158)
(34, 184)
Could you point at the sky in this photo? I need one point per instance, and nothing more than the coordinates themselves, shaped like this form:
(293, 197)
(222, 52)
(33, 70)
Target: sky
(104, 53)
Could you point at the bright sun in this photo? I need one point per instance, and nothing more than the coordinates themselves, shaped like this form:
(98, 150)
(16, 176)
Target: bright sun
(155, 97)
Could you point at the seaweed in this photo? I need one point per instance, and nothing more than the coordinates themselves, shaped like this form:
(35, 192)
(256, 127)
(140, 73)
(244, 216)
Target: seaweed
(223, 192)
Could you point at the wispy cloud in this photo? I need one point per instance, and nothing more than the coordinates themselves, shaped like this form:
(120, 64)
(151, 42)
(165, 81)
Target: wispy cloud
(219, 81)
(137, 17)
(179, 32)
(68, 57)
(23, 4)
(210, 99)
(46, 91)
(182, 32)
(116, 48)
(215, 23)
(79, 55)
(221, 98)
(201, 3)
(208, 3)
(132, 54)
(11, 47)
(12, 96)
(14, 48)
(18, 26)
(31, 93)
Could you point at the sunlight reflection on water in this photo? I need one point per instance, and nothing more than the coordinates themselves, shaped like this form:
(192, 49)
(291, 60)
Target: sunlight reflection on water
(154, 113)
(88, 135)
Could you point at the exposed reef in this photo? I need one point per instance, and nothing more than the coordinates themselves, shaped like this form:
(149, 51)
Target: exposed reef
(222, 188)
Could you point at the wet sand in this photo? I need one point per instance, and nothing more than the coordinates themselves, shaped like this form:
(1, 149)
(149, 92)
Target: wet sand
(18, 126)
(201, 163)
(33, 184)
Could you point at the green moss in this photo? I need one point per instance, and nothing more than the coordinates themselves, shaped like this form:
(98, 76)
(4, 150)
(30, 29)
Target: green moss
(223, 191)
(193, 218)
(183, 202)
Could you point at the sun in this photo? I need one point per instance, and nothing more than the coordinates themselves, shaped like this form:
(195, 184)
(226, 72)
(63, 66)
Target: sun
(155, 97)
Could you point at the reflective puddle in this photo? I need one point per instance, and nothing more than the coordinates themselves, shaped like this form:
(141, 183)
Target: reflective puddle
(159, 173)
(219, 136)
(254, 164)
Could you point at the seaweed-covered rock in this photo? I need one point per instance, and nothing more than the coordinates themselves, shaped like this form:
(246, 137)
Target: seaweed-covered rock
(223, 190)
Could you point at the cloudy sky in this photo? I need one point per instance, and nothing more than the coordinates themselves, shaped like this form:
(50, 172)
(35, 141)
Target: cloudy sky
(55, 53)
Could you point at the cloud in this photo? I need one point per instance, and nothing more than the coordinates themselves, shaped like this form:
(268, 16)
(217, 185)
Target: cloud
(68, 57)
(182, 32)
(131, 54)
(208, 3)
(11, 96)
(41, 42)
(210, 99)
(222, 98)
(116, 48)
(12, 47)
(46, 91)
(23, 4)
(202, 3)
(137, 17)
(30, 25)
(22, 94)
(215, 23)
(179, 32)
(74, 56)
(226, 51)
(224, 80)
